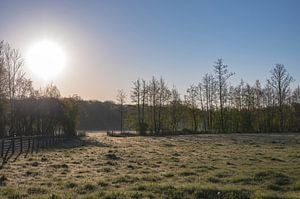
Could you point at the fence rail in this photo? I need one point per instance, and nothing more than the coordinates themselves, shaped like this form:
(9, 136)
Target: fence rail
(25, 144)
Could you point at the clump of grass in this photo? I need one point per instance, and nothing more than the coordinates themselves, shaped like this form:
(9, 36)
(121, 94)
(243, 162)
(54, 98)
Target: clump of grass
(111, 163)
(107, 169)
(86, 188)
(103, 183)
(11, 193)
(71, 185)
(130, 166)
(277, 159)
(44, 159)
(219, 194)
(223, 175)
(169, 145)
(35, 164)
(243, 180)
(275, 181)
(53, 196)
(176, 154)
(170, 191)
(125, 179)
(58, 166)
(278, 178)
(168, 175)
(214, 179)
(275, 187)
(262, 175)
(296, 186)
(151, 178)
(32, 173)
(112, 156)
(36, 190)
(188, 173)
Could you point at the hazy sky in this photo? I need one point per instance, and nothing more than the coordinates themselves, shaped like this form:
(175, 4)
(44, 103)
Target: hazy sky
(111, 43)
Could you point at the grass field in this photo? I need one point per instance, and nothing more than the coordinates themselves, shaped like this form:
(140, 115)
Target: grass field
(196, 166)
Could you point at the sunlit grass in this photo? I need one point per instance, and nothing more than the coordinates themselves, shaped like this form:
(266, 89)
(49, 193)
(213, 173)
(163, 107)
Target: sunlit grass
(198, 166)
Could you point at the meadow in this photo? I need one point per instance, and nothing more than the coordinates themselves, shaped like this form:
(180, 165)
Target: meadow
(192, 166)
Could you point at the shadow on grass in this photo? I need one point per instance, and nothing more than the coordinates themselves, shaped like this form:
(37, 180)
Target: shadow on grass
(71, 143)
(68, 143)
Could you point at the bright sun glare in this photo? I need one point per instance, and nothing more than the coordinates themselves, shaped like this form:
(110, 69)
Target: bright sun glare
(46, 59)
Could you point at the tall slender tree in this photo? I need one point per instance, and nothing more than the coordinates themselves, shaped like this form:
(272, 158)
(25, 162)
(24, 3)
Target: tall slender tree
(175, 109)
(222, 75)
(280, 81)
(136, 93)
(191, 101)
(121, 97)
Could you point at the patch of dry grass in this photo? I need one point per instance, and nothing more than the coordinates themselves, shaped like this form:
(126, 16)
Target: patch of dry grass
(196, 166)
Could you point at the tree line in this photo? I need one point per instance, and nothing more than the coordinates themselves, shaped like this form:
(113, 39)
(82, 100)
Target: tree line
(27, 111)
(214, 105)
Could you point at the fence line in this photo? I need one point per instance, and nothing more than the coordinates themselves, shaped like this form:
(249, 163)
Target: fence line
(25, 144)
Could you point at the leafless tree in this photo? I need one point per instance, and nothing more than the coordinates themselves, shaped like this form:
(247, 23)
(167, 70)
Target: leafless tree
(209, 85)
(121, 97)
(164, 97)
(222, 76)
(2, 89)
(280, 81)
(191, 100)
(154, 90)
(136, 92)
(296, 95)
(13, 63)
(175, 109)
(144, 101)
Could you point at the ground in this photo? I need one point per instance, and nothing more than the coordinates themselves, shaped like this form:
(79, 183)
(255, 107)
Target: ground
(196, 166)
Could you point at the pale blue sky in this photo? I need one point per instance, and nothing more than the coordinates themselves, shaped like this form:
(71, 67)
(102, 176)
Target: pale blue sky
(111, 43)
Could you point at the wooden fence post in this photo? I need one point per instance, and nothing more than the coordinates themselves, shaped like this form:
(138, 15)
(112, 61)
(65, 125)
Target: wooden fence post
(28, 147)
(13, 145)
(37, 144)
(33, 143)
(2, 146)
(21, 144)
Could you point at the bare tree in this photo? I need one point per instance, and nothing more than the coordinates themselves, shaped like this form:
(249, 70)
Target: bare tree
(175, 109)
(13, 63)
(144, 101)
(222, 76)
(280, 81)
(154, 98)
(191, 100)
(2, 71)
(136, 98)
(121, 97)
(209, 85)
(2, 89)
(164, 96)
(52, 91)
(269, 104)
(296, 95)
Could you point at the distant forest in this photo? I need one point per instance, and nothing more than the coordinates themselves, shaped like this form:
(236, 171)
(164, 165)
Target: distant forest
(96, 115)
(212, 105)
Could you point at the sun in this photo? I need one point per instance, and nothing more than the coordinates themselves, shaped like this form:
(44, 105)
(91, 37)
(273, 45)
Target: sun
(46, 59)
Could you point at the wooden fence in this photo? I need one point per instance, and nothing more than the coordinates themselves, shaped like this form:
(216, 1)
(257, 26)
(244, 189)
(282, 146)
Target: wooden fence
(25, 144)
